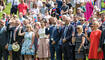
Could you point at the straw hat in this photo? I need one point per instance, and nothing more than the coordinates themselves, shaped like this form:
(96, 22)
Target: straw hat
(16, 47)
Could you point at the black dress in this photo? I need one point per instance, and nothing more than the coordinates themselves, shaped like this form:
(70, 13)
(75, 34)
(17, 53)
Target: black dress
(78, 42)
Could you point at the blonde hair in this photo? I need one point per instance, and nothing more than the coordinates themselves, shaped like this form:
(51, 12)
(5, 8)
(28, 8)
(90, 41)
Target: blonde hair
(80, 28)
(28, 25)
(96, 22)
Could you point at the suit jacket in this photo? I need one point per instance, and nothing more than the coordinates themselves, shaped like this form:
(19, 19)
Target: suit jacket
(3, 36)
(102, 39)
(69, 32)
(57, 34)
(49, 31)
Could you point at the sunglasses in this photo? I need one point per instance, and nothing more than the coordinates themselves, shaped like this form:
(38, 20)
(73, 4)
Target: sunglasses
(91, 26)
(81, 20)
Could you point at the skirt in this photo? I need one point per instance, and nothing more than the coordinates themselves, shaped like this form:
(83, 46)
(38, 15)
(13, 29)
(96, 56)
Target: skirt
(43, 48)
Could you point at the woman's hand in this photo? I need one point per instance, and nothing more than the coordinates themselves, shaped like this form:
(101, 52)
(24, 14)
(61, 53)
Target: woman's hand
(64, 40)
(99, 50)
(79, 50)
(31, 46)
(53, 42)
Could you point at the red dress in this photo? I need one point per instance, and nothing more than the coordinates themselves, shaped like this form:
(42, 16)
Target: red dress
(94, 44)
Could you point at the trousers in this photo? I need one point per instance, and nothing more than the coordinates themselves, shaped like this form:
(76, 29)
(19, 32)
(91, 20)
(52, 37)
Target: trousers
(3, 53)
(55, 49)
(68, 51)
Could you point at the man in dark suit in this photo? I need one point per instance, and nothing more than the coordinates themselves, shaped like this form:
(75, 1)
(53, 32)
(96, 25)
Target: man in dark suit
(102, 43)
(67, 33)
(54, 32)
(3, 41)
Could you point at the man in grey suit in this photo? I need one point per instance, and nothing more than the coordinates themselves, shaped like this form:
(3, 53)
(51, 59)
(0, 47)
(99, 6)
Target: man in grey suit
(3, 41)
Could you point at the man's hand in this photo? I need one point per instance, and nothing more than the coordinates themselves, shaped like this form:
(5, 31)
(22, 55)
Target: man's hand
(6, 46)
(64, 40)
(53, 42)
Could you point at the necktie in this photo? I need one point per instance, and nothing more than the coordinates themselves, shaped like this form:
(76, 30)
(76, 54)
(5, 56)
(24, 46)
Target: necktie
(65, 31)
(52, 33)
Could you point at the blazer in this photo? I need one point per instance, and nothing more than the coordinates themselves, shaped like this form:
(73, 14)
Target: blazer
(3, 36)
(49, 31)
(69, 32)
(102, 39)
(57, 34)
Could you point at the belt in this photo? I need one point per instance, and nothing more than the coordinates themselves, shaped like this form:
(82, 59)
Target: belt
(43, 38)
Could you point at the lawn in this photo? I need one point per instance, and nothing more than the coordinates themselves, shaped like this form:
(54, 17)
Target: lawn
(7, 11)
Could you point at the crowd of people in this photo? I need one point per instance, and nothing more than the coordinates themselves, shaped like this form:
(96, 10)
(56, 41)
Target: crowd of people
(52, 30)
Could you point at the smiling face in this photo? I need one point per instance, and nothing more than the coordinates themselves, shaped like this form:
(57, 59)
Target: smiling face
(82, 20)
(42, 24)
(28, 27)
(79, 29)
(17, 23)
(95, 25)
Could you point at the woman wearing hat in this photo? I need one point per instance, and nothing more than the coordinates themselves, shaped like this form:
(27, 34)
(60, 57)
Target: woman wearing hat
(28, 48)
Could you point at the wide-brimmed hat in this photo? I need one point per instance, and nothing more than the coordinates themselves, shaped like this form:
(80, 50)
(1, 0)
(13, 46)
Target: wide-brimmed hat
(15, 47)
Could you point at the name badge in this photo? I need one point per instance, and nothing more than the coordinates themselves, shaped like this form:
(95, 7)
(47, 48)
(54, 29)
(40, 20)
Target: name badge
(52, 39)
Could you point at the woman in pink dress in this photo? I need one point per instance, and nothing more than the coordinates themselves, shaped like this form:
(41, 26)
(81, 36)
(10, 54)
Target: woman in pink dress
(42, 43)
(94, 43)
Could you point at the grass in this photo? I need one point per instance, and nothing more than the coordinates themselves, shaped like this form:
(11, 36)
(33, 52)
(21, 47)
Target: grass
(7, 10)
(8, 7)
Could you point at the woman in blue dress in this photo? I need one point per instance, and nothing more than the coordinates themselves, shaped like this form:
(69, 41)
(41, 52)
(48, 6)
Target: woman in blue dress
(28, 48)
